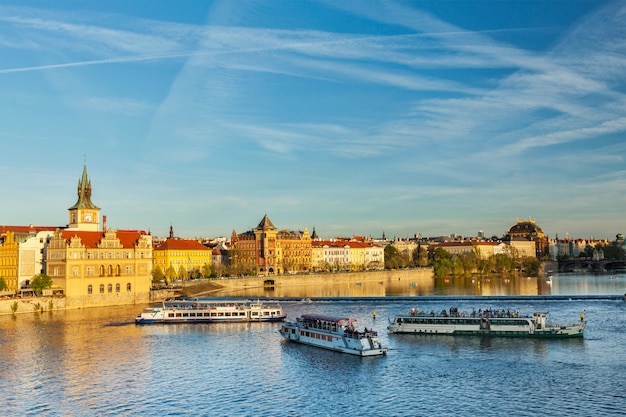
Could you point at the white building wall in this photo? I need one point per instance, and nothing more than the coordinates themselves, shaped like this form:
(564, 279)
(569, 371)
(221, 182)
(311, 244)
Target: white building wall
(31, 258)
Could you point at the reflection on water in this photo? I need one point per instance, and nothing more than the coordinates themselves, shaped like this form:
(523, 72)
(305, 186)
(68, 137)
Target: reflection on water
(98, 362)
(561, 284)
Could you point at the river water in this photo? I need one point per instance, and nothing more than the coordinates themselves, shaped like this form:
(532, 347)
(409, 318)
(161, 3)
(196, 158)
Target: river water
(98, 362)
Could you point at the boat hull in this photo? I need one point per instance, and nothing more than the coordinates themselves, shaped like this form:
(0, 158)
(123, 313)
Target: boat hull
(561, 334)
(143, 320)
(211, 311)
(369, 352)
(338, 340)
(534, 326)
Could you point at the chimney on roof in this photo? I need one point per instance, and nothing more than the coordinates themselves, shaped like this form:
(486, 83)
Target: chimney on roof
(104, 223)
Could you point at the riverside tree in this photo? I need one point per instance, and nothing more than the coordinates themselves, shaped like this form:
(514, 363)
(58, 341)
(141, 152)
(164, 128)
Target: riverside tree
(40, 282)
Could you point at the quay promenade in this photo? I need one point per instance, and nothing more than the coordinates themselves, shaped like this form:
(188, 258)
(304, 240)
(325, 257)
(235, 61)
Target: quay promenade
(239, 287)
(273, 284)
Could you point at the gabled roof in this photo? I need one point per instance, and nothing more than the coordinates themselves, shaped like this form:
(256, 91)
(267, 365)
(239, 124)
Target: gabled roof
(180, 244)
(266, 224)
(27, 229)
(343, 244)
(127, 238)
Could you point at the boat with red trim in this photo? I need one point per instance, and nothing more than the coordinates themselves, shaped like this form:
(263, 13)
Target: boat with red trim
(333, 333)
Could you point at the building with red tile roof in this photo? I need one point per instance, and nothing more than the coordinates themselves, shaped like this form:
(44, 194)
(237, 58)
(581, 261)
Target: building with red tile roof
(182, 258)
(356, 254)
(98, 267)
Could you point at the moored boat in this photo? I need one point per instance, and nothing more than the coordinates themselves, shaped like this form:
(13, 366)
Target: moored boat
(485, 323)
(199, 310)
(333, 333)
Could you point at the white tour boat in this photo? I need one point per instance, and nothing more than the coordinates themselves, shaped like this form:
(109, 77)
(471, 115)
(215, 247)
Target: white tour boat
(332, 333)
(198, 310)
(485, 323)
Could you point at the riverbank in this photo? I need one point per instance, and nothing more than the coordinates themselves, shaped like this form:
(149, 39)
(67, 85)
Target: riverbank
(31, 305)
(368, 283)
(277, 283)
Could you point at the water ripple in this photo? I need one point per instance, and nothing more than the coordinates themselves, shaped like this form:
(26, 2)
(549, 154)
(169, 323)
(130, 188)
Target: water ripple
(86, 363)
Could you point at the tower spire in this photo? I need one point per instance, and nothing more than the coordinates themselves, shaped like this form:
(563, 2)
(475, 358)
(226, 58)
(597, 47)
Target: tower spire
(84, 192)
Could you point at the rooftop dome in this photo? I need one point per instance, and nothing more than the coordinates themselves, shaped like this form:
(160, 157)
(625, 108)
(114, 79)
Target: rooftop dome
(525, 228)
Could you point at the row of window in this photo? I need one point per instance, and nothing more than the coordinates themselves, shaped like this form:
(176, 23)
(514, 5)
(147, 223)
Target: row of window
(109, 288)
(109, 270)
(327, 338)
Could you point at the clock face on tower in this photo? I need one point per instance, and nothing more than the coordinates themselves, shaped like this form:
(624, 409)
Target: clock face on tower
(88, 218)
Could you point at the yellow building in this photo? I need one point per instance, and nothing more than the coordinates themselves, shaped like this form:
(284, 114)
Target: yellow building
(8, 261)
(98, 267)
(182, 258)
(266, 250)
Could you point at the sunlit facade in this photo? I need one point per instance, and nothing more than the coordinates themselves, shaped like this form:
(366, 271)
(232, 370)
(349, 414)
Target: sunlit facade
(182, 258)
(98, 267)
(265, 250)
(8, 261)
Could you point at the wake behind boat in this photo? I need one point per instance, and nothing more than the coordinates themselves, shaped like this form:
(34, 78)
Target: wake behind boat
(485, 323)
(333, 333)
(198, 310)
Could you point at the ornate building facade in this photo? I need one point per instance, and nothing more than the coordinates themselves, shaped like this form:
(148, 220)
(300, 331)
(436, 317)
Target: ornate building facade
(266, 250)
(98, 267)
(529, 230)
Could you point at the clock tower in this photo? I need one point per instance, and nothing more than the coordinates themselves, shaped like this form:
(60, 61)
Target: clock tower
(84, 215)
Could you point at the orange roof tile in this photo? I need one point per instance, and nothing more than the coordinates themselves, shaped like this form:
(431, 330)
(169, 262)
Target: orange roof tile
(27, 229)
(180, 244)
(127, 238)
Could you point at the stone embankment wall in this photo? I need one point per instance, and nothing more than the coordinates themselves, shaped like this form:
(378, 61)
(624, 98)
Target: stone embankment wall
(326, 278)
(31, 305)
(38, 304)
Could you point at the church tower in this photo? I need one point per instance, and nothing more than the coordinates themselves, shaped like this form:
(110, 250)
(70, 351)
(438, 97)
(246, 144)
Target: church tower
(84, 215)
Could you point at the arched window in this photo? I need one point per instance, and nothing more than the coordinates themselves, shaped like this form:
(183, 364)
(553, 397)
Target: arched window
(101, 270)
(117, 287)
(128, 287)
(110, 270)
(89, 289)
(101, 288)
(110, 288)
(118, 270)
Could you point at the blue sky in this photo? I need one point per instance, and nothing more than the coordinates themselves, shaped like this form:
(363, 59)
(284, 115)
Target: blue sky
(353, 117)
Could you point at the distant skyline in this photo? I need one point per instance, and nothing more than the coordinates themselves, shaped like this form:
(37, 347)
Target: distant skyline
(353, 117)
